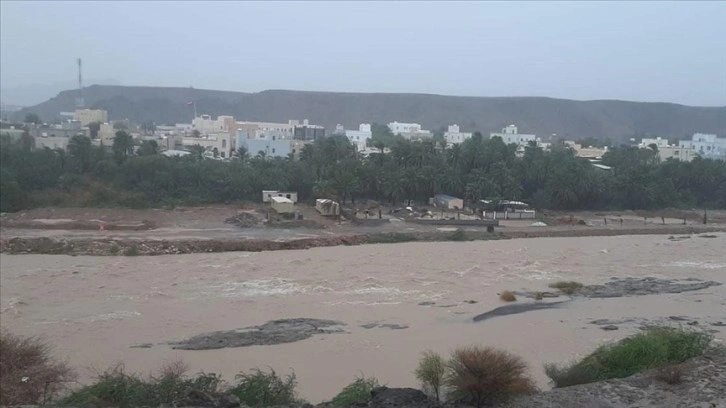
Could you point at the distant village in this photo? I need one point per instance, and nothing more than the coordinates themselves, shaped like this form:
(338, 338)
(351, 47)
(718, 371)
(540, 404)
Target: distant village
(221, 137)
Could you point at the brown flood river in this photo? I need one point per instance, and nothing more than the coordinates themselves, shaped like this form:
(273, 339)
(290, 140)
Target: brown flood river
(92, 309)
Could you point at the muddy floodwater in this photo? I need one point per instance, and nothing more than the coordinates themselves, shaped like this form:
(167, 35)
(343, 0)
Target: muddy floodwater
(392, 302)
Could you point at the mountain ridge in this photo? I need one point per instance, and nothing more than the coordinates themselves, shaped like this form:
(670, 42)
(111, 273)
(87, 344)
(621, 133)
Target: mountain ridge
(617, 120)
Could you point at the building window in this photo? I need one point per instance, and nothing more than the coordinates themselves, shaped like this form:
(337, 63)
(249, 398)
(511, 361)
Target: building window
(273, 150)
(224, 144)
(223, 155)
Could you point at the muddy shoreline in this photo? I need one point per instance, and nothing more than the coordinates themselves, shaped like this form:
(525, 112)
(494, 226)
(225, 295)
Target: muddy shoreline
(135, 246)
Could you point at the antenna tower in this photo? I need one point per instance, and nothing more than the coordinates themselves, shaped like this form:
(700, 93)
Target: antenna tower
(79, 100)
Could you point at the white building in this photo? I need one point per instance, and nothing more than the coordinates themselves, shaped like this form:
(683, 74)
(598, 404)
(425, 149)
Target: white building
(510, 135)
(410, 131)
(359, 137)
(453, 135)
(667, 151)
(206, 125)
(706, 145)
(222, 142)
(52, 142)
(646, 142)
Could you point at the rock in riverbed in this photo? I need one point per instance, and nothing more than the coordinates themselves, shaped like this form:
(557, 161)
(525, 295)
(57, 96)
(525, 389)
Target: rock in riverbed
(272, 332)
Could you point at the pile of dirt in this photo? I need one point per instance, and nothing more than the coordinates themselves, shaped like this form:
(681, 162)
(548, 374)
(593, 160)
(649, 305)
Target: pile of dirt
(243, 220)
(272, 332)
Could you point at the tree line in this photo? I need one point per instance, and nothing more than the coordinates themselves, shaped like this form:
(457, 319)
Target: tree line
(480, 168)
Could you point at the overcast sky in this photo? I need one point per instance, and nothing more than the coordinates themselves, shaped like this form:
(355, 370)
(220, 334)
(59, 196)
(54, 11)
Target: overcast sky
(642, 51)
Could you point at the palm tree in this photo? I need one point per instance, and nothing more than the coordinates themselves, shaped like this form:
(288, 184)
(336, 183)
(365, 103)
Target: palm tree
(123, 146)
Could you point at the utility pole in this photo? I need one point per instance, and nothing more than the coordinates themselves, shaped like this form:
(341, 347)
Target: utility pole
(79, 100)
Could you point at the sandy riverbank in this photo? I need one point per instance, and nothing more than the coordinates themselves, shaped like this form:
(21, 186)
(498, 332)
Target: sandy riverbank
(94, 309)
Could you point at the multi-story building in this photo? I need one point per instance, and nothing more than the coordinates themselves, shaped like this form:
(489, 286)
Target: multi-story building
(453, 135)
(707, 146)
(410, 131)
(510, 135)
(205, 125)
(665, 150)
(658, 142)
(307, 131)
(221, 142)
(86, 116)
(52, 142)
(358, 138)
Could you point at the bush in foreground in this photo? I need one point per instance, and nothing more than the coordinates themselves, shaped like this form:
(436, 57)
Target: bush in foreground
(507, 296)
(28, 373)
(653, 348)
(357, 392)
(484, 376)
(117, 388)
(430, 372)
(261, 389)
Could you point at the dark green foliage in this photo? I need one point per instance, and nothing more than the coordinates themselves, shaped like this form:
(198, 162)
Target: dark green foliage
(261, 389)
(392, 238)
(479, 168)
(116, 388)
(653, 348)
(458, 235)
(357, 392)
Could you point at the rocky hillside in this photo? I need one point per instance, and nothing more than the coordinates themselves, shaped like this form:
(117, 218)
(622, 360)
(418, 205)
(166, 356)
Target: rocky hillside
(617, 120)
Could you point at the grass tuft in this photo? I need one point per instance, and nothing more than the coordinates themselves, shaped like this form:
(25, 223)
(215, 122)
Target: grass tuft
(357, 392)
(538, 296)
(113, 250)
(507, 296)
(655, 347)
(28, 373)
(567, 287)
(486, 376)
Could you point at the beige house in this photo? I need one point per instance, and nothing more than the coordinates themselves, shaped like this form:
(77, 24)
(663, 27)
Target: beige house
(86, 116)
(282, 205)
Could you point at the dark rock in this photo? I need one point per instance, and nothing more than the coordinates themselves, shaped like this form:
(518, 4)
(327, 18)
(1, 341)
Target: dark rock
(516, 309)
(643, 286)
(143, 345)
(718, 324)
(392, 326)
(610, 327)
(427, 303)
(693, 323)
(384, 397)
(471, 302)
(678, 318)
(272, 332)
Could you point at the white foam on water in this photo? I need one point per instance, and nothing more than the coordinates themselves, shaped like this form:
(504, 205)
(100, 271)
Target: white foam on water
(119, 315)
(696, 265)
(255, 287)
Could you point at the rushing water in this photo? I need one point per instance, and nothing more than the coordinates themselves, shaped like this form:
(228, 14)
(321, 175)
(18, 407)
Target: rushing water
(93, 309)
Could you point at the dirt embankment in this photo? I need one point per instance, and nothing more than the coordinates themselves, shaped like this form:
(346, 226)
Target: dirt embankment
(44, 245)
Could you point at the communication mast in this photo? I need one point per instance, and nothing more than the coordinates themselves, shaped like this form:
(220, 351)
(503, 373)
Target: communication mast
(79, 99)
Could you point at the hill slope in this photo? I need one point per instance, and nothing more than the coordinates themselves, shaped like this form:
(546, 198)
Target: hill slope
(617, 120)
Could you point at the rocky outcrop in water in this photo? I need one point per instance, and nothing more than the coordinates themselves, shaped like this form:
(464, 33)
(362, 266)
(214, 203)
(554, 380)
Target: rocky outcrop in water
(272, 332)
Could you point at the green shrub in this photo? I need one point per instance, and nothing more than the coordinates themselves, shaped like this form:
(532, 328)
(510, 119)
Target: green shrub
(131, 251)
(116, 388)
(114, 249)
(653, 348)
(28, 373)
(567, 287)
(458, 235)
(486, 376)
(430, 372)
(357, 392)
(260, 389)
(392, 238)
